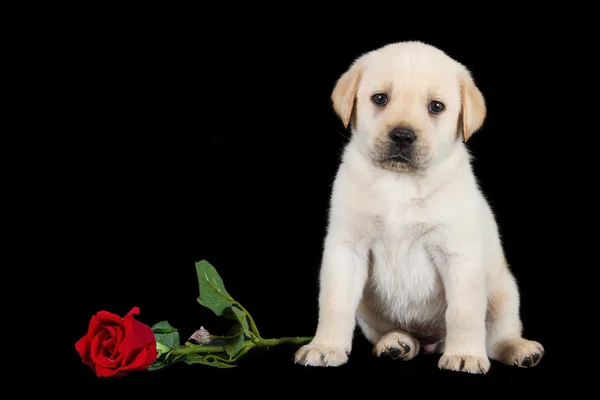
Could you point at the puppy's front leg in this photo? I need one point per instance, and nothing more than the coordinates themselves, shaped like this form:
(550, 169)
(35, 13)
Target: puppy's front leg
(464, 285)
(343, 275)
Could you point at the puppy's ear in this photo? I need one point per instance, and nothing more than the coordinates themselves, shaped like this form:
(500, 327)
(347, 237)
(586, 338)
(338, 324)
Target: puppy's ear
(473, 105)
(344, 92)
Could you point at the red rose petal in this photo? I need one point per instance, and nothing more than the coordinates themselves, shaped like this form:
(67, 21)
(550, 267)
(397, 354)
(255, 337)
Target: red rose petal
(151, 355)
(107, 317)
(133, 311)
(109, 345)
(99, 354)
(83, 348)
(97, 351)
(94, 327)
(106, 362)
(96, 344)
(104, 372)
(138, 337)
(142, 360)
(111, 342)
(112, 330)
(135, 361)
(118, 339)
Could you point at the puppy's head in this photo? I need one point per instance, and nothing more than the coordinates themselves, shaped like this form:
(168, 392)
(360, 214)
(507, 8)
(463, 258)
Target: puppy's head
(408, 104)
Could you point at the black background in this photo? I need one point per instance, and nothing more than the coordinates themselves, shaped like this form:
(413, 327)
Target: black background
(195, 144)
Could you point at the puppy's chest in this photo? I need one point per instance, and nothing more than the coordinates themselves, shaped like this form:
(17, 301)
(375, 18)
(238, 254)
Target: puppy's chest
(406, 218)
(402, 271)
(404, 225)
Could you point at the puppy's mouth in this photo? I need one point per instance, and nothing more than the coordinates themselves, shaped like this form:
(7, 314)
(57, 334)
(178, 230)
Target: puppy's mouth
(397, 162)
(389, 156)
(395, 154)
(399, 157)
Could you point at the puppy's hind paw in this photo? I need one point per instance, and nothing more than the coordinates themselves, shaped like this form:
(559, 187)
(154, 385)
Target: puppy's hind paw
(317, 355)
(397, 345)
(519, 352)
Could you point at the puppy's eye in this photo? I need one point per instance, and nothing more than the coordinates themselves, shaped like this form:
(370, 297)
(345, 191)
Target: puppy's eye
(435, 107)
(380, 99)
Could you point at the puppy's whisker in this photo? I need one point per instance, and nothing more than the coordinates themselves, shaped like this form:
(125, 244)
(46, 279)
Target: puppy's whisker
(341, 133)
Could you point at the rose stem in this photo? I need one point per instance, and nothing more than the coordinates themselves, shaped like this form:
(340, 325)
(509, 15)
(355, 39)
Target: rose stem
(248, 344)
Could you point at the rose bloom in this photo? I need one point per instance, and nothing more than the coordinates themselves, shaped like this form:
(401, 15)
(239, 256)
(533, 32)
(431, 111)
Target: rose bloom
(115, 346)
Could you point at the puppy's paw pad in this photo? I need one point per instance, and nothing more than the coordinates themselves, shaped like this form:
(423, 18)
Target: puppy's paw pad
(520, 352)
(395, 352)
(316, 355)
(396, 346)
(464, 363)
(399, 351)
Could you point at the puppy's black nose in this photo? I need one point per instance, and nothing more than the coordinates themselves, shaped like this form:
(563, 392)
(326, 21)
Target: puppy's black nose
(402, 136)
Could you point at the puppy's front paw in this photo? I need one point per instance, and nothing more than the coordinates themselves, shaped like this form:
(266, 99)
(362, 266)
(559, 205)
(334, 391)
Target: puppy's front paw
(318, 355)
(519, 352)
(397, 345)
(464, 363)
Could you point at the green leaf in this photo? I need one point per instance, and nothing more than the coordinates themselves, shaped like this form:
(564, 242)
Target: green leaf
(212, 291)
(162, 349)
(213, 363)
(241, 317)
(165, 359)
(229, 314)
(165, 334)
(163, 327)
(156, 366)
(159, 363)
(234, 344)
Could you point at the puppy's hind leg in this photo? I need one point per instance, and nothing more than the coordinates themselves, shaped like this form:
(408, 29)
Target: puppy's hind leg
(397, 344)
(504, 328)
(371, 325)
(386, 339)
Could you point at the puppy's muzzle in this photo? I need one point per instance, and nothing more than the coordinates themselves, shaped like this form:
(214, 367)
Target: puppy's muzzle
(401, 146)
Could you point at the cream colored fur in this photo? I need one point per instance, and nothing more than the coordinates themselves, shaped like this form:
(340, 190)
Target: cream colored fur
(414, 250)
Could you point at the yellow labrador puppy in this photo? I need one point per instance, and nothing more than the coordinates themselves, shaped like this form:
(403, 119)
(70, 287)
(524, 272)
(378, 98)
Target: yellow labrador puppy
(413, 254)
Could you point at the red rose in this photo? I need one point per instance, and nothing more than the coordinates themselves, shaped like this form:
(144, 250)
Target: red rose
(115, 346)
